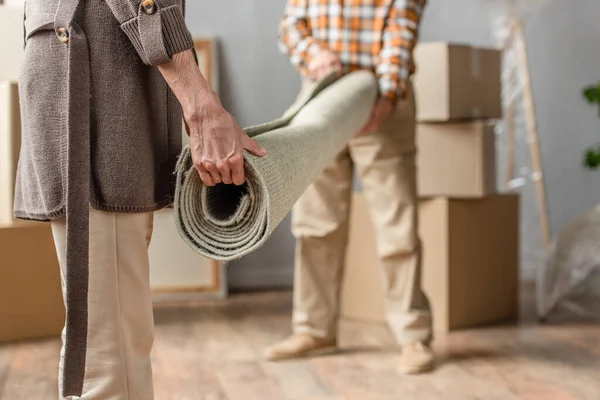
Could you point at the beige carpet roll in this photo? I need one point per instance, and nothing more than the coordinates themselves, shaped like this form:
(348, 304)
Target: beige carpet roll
(226, 222)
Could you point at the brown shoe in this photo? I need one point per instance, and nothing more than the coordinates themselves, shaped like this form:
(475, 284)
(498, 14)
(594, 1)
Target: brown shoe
(416, 358)
(300, 346)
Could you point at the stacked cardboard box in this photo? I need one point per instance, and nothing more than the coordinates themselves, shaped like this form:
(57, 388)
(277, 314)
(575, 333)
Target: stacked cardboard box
(30, 292)
(469, 232)
(31, 304)
(470, 271)
(458, 94)
(457, 82)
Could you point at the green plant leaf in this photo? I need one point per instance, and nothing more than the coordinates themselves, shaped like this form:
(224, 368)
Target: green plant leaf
(592, 94)
(592, 158)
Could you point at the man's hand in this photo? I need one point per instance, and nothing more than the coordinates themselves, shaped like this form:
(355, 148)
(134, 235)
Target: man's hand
(381, 111)
(323, 63)
(217, 142)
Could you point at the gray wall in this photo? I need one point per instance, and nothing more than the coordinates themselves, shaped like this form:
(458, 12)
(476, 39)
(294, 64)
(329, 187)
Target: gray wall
(565, 57)
(257, 83)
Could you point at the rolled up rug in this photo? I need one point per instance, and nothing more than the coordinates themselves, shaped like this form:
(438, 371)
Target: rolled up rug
(226, 222)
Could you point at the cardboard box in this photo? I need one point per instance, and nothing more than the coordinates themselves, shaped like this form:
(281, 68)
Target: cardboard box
(10, 144)
(455, 82)
(470, 262)
(31, 304)
(456, 159)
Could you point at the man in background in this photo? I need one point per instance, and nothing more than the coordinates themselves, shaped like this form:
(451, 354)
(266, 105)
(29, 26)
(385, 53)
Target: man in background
(348, 35)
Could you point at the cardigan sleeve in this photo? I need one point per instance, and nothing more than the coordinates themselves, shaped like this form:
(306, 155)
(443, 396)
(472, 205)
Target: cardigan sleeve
(156, 28)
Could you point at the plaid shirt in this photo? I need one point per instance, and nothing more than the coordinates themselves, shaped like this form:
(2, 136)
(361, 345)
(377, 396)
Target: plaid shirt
(366, 34)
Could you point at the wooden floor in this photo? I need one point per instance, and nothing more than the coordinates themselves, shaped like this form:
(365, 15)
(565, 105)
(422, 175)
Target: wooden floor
(212, 352)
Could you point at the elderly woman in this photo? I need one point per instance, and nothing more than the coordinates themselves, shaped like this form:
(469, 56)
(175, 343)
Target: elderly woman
(103, 87)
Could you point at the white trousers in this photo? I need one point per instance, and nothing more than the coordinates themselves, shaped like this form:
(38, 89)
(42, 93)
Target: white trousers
(120, 319)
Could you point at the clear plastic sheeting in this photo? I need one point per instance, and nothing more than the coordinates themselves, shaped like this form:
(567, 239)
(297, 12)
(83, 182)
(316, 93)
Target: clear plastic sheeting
(516, 169)
(566, 269)
(570, 279)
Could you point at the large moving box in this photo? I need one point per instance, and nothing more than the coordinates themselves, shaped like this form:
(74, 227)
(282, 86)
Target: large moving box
(457, 82)
(31, 302)
(470, 262)
(10, 143)
(456, 159)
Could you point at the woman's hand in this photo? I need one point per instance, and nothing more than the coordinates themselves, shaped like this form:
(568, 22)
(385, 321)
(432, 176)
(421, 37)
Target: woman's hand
(217, 142)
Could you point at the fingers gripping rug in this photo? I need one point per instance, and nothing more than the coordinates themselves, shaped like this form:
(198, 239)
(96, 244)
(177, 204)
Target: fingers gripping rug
(226, 222)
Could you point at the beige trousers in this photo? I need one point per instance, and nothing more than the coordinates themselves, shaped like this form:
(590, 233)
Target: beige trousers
(385, 163)
(120, 320)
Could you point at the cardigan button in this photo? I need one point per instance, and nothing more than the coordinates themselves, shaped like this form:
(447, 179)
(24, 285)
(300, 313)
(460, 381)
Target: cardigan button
(149, 6)
(63, 35)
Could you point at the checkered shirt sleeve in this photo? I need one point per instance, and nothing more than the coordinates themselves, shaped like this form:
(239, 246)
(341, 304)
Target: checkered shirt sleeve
(295, 36)
(396, 56)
